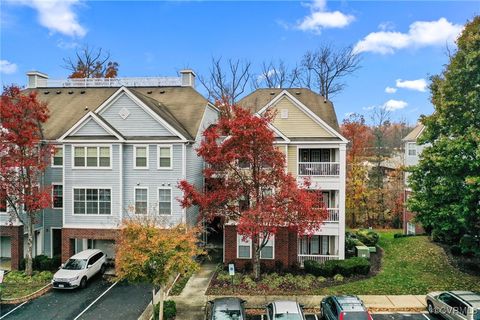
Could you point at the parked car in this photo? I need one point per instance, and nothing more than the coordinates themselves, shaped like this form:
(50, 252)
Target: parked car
(454, 305)
(343, 308)
(227, 309)
(285, 310)
(79, 269)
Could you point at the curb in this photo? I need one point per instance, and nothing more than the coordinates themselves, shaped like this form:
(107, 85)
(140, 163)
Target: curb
(30, 296)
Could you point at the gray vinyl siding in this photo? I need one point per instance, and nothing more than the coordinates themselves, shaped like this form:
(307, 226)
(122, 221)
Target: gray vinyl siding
(195, 163)
(91, 128)
(138, 123)
(153, 178)
(92, 178)
(51, 217)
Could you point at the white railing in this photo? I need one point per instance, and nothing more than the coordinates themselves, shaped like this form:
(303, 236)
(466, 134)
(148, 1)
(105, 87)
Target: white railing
(111, 82)
(318, 168)
(316, 257)
(333, 215)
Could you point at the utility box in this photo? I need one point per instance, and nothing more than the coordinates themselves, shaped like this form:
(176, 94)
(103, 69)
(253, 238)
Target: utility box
(362, 251)
(372, 249)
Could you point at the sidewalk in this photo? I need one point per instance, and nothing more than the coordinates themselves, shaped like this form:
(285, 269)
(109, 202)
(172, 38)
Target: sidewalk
(192, 300)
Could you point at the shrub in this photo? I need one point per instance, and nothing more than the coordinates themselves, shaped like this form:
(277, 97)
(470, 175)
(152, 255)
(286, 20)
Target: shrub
(223, 276)
(248, 282)
(248, 267)
(469, 245)
(347, 268)
(278, 266)
(456, 250)
(312, 267)
(368, 237)
(169, 310)
(272, 280)
(338, 277)
(321, 279)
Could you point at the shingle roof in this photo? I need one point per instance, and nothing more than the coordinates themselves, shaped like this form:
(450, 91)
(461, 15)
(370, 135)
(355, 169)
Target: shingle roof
(415, 133)
(182, 107)
(315, 102)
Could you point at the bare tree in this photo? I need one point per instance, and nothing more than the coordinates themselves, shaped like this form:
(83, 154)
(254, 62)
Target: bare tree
(324, 68)
(91, 63)
(227, 81)
(276, 75)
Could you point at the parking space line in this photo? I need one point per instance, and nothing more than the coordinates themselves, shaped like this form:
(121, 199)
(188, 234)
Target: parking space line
(426, 316)
(91, 304)
(6, 314)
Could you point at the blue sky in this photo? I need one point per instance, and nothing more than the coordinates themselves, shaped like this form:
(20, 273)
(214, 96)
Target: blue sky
(402, 43)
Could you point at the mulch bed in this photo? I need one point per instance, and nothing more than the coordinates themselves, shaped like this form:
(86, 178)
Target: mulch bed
(469, 265)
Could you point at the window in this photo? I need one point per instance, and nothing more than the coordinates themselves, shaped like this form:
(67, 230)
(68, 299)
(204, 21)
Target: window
(165, 201)
(91, 201)
(57, 196)
(268, 252)
(141, 200)
(3, 200)
(284, 114)
(91, 157)
(244, 247)
(410, 228)
(57, 160)
(141, 157)
(318, 245)
(164, 157)
(412, 149)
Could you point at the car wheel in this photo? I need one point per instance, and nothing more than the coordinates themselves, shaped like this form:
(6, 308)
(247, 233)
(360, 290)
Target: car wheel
(83, 283)
(431, 308)
(102, 269)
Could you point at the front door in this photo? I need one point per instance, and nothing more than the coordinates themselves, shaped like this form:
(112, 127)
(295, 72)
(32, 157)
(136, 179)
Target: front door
(56, 242)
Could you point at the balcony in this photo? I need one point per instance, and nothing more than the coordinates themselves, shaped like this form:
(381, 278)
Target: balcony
(315, 257)
(319, 169)
(333, 215)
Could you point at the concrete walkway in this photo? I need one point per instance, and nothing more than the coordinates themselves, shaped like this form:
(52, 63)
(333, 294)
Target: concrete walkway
(191, 302)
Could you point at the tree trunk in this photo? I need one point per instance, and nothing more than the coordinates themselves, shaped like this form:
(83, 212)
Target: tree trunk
(256, 258)
(160, 303)
(29, 260)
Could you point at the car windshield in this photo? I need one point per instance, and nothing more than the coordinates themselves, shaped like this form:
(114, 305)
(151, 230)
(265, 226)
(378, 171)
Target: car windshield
(227, 315)
(355, 316)
(476, 314)
(75, 264)
(288, 316)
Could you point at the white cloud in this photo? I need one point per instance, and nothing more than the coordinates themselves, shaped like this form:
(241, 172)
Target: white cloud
(368, 108)
(420, 34)
(319, 18)
(7, 67)
(57, 16)
(393, 105)
(417, 85)
(390, 90)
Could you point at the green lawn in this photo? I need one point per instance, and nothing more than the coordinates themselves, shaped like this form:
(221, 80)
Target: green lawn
(16, 284)
(411, 265)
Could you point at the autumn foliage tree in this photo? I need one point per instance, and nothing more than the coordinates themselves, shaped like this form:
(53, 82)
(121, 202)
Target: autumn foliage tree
(247, 181)
(91, 63)
(24, 158)
(151, 254)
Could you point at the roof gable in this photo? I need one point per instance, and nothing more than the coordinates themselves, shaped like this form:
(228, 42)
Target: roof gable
(92, 126)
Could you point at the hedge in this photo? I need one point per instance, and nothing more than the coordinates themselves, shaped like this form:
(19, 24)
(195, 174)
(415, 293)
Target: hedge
(368, 237)
(43, 263)
(347, 268)
(169, 310)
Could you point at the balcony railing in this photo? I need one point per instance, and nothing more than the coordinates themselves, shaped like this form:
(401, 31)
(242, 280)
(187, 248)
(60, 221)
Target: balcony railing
(316, 257)
(318, 168)
(333, 215)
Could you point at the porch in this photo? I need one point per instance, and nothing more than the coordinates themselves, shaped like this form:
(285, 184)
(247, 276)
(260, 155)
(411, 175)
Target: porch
(318, 162)
(319, 248)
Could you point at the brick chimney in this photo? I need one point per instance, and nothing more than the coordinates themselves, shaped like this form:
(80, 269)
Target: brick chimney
(188, 78)
(36, 79)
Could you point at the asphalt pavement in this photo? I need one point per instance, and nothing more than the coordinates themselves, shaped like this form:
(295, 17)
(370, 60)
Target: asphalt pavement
(122, 301)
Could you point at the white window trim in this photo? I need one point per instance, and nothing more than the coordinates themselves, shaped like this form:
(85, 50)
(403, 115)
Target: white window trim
(63, 156)
(239, 238)
(135, 156)
(272, 239)
(57, 184)
(171, 201)
(135, 200)
(91, 215)
(98, 157)
(158, 156)
(412, 146)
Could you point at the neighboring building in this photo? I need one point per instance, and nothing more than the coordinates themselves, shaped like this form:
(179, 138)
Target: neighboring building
(307, 131)
(122, 146)
(412, 153)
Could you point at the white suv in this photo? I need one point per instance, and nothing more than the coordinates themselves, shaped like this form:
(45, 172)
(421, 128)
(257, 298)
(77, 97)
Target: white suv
(79, 268)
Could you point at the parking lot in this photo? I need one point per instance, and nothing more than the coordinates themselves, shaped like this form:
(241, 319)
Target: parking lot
(114, 301)
(376, 316)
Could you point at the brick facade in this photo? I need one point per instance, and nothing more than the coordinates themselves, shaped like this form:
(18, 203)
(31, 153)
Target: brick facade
(286, 248)
(16, 237)
(97, 234)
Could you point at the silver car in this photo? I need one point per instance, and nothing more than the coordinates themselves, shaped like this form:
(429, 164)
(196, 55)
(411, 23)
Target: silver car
(454, 305)
(284, 310)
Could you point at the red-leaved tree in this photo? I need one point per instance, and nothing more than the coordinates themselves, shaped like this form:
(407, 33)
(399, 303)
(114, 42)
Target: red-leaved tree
(24, 156)
(248, 183)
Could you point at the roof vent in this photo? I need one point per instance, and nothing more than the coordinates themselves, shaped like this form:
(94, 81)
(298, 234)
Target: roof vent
(46, 92)
(272, 93)
(86, 108)
(58, 92)
(82, 92)
(149, 92)
(162, 92)
(297, 93)
(70, 92)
